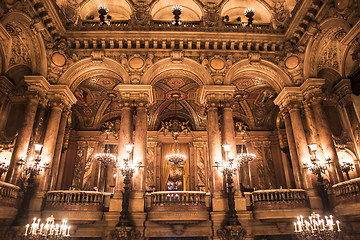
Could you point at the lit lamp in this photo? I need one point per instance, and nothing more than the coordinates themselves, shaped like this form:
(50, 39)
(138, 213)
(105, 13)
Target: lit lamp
(346, 167)
(103, 11)
(50, 230)
(249, 13)
(3, 168)
(127, 170)
(317, 228)
(176, 10)
(318, 168)
(232, 228)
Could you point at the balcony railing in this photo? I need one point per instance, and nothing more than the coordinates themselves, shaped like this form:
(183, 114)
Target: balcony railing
(279, 198)
(347, 192)
(75, 200)
(179, 198)
(180, 206)
(8, 194)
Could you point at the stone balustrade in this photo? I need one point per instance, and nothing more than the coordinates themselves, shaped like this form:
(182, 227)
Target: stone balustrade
(278, 204)
(178, 198)
(347, 192)
(178, 206)
(280, 197)
(75, 200)
(8, 194)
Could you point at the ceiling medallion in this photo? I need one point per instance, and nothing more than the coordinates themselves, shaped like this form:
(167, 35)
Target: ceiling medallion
(175, 95)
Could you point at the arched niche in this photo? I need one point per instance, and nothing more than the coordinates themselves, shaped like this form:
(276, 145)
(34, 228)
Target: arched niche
(236, 8)
(162, 10)
(326, 50)
(166, 67)
(84, 68)
(118, 10)
(263, 69)
(24, 47)
(345, 155)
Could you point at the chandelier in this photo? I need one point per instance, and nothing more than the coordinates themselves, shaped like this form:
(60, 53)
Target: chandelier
(105, 156)
(50, 230)
(317, 228)
(175, 127)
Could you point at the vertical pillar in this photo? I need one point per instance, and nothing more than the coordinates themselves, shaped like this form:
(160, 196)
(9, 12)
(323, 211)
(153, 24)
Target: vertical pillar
(140, 139)
(301, 144)
(58, 149)
(214, 143)
(23, 138)
(228, 135)
(126, 132)
(327, 141)
(292, 150)
(48, 149)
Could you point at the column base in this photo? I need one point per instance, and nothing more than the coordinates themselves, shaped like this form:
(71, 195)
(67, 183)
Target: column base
(219, 202)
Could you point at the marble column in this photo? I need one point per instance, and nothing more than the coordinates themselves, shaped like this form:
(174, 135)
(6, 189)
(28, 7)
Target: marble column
(23, 138)
(126, 132)
(228, 135)
(214, 143)
(301, 144)
(58, 149)
(327, 141)
(140, 139)
(50, 139)
(292, 149)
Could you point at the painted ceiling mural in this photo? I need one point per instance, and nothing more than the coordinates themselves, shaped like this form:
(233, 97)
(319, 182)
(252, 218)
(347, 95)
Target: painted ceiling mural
(91, 105)
(253, 103)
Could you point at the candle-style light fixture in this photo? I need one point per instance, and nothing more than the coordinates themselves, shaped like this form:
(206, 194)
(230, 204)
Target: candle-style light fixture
(346, 167)
(103, 11)
(232, 228)
(249, 13)
(176, 10)
(316, 228)
(3, 168)
(127, 169)
(318, 168)
(50, 230)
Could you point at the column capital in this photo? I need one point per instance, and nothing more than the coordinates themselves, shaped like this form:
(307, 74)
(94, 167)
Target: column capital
(137, 93)
(289, 97)
(312, 87)
(6, 86)
(61, 93)
(343, 90)
(215, 93)
(37, 84)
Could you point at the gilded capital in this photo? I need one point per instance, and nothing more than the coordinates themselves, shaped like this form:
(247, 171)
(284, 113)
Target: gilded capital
(214, 94)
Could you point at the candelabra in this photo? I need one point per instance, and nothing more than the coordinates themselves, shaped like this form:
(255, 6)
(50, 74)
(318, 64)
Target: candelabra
(50, 230)
(127, 169)
(103, 11)
(346, 167)
(3, 168)
(316, 228)
(249, 13)
(177, 10)
(232, 228)
(318, 168)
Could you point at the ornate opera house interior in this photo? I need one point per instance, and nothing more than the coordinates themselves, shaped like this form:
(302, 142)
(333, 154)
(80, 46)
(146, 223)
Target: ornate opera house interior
(186, 120)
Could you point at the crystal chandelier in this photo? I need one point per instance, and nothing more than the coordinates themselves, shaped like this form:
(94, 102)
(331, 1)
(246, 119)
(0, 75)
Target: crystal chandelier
(105, 156)
(316, 166)
(176, 10)
(50, 230)
(317, 228)
(175, 157)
